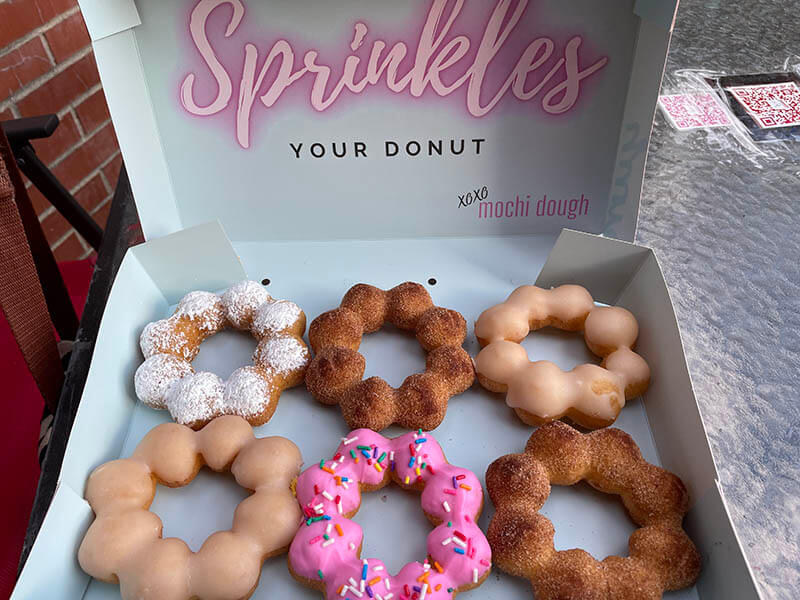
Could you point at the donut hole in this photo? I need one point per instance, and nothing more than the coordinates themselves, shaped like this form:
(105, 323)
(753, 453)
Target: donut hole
(565, 348)
(225, 352)
(195, 511)
(392, 354)
(402, 535)
(589, 519)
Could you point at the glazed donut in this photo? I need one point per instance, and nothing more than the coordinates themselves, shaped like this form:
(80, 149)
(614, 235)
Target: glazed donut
(166, 378)
(326, 552)
(662, 557)
(540, 392)
(124, 544)
(336, 372)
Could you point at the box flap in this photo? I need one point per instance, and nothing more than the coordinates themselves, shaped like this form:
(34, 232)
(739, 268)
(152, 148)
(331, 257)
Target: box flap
(56, 564)
(107, 17)
(152, 277)
(627, 275)
(726, 573)
(658, 12)
(324, 120)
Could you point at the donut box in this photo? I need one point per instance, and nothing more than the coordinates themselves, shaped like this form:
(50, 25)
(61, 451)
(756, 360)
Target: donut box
(471, 147)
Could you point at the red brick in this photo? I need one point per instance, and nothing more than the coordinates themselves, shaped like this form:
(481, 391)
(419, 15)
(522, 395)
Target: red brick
(65, 137)
(50, 9)
(70, 249)
(93, 112)
(101, 214)
(23, 65)
(61, 89)
(20, 17)
(111, 171)
(87, 157)
(68, 37)
(54, 227)
(6, 114)
(91, 195)
(17, 18)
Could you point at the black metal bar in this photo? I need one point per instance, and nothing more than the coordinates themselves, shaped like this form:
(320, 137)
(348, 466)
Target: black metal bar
(121, 232)
(58, 195)
(20, 131)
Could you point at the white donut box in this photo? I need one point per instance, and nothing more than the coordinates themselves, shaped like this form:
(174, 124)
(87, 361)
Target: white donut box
(415, 174)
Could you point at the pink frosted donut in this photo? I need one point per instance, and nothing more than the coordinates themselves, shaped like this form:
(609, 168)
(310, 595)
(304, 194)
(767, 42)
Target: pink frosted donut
(325, 553)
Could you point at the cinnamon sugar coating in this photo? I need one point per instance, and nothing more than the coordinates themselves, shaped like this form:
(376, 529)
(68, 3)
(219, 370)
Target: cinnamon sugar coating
(124, 544)
(540, 391)
(337, 369)
(661, 555)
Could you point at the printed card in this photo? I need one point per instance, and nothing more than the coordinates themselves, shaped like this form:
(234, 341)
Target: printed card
(694, 111)
(772, 105)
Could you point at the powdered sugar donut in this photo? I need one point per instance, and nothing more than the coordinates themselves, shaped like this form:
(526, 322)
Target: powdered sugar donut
(166, 379)
(326, 552)
(155, 377)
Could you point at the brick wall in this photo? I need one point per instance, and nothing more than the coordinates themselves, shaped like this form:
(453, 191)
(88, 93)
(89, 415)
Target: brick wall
(47, 66)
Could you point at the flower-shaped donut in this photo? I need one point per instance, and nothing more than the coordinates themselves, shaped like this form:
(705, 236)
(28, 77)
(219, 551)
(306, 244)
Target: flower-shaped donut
(540, 391)
(336, 372)
(124, 544)
(662, 557)
(166, 379)
(325, 553)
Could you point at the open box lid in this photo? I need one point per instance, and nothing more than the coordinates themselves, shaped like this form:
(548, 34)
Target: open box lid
(322, 120)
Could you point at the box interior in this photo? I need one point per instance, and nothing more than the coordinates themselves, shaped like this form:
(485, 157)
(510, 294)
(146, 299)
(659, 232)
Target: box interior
(471, 274)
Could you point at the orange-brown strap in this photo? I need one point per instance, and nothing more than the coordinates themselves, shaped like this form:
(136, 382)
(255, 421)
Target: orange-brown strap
(21, 295)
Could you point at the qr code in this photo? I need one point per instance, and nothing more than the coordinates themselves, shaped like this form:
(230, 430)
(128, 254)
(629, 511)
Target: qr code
(694, 111)
(772, 105)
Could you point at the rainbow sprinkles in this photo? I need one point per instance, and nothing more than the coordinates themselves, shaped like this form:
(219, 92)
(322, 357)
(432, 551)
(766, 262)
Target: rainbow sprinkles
(325, 553)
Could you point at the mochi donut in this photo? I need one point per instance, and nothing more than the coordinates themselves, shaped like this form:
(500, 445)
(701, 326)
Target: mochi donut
(540, 392)
(166, 379)
(661, 555)
(326, 552)
(124, 543)
(336, 372)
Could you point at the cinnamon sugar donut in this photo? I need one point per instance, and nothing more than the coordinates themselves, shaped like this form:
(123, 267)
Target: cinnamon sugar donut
(661, 555)
(124, 544)
(540, 391)
(336, 372)
(166, 379)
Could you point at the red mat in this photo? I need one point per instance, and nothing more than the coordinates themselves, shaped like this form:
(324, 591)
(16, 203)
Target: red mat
(22, 405)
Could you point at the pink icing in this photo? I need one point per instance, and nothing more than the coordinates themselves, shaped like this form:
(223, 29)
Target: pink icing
(459, 554)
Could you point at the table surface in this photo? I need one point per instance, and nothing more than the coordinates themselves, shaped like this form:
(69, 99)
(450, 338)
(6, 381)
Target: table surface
(727, 236)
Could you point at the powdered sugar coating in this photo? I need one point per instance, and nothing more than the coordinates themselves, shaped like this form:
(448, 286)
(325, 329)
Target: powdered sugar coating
(275, 317)
(155, 376)
(282, 354)
(205, 309)
(241, 301)
(162, 337)
(196, 398)
(247, 392)
(167, 380)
